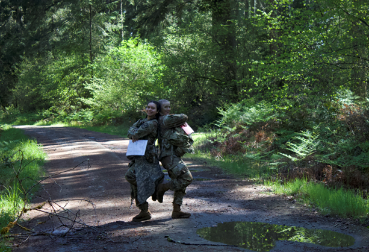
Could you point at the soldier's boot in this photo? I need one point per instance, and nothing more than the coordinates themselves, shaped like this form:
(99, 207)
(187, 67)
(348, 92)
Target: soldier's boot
(145, 213)
(177, 213)
(162, 188)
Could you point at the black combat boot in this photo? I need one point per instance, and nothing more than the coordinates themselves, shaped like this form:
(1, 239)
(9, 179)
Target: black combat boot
(177, 213)
(145, 213)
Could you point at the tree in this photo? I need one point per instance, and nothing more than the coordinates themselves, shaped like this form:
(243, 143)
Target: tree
(59, 39)
(125, 79)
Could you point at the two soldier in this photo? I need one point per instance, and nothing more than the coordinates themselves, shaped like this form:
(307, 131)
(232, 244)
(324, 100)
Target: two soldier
(174, 143)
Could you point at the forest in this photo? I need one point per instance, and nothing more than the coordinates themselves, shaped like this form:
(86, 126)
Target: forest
(280, 85)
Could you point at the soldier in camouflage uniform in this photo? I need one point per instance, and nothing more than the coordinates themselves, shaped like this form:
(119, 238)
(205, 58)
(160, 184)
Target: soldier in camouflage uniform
(174, 143)
(144, 173)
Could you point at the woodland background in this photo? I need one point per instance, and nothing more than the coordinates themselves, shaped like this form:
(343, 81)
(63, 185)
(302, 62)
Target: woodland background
(279, 85)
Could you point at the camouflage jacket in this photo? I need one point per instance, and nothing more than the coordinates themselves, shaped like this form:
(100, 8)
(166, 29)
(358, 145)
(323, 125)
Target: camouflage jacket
(145, 129)
(172, 139)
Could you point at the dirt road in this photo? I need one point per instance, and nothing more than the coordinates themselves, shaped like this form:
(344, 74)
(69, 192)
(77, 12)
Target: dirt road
(105, 225)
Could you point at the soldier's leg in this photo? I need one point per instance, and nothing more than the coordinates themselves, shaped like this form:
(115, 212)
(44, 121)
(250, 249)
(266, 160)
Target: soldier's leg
(144, 214)
(163, 187)
(131, 175)
(167, 163)
(144, 207)
(182, 181)
(181, 178)
(180, 174)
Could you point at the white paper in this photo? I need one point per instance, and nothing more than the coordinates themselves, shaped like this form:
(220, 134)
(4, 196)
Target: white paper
(137, 148)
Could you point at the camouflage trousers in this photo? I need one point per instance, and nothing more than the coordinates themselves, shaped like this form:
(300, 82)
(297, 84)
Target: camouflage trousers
(144, 177)
(180, 175)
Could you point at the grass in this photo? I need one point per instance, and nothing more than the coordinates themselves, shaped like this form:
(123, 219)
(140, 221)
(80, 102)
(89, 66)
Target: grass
(340, 202)
(17, 152)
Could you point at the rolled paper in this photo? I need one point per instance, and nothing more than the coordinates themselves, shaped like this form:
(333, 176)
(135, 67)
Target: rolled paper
(187, 129)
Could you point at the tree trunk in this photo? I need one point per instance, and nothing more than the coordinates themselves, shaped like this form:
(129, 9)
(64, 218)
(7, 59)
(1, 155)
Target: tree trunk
(90, 34)
(224, 34)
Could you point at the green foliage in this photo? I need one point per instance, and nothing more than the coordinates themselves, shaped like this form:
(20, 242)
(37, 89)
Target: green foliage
(247, 112)
(124, 80)
(314, 47)
(344, 203)
(47, 83)
(47, 69)
(250, 164)
(3, 246)
(289, 188)
(306, 145)
(17, 152)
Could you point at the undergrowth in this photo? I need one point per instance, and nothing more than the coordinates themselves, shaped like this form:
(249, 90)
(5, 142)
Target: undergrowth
(239, 165)
(17, 152)
(322, 139)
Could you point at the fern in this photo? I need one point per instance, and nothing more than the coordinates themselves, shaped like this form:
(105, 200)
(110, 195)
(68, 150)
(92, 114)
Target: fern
(306, 145)
(246, 112)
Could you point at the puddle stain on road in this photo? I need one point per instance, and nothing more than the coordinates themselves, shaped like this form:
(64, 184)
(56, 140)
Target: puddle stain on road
(259, 236)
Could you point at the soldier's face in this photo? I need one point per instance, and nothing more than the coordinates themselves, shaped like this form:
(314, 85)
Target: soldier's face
(151, 110)
(165, 108)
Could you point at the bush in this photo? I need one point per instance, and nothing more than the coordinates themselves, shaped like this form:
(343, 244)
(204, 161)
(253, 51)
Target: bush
(124, 80)
(320, 138)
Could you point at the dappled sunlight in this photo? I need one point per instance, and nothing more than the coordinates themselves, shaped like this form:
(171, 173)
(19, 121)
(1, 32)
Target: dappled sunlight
(89, 191)
(102, 210)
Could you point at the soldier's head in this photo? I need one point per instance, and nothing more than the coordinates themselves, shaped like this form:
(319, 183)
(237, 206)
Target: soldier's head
(153, 109)
(165, 107)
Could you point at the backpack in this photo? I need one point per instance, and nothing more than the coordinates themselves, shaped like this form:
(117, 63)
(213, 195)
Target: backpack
(180, 140)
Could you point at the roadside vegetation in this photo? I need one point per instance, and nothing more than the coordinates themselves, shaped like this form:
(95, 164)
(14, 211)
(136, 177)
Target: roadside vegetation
(17, 152)
(329, 201)
(317, 152)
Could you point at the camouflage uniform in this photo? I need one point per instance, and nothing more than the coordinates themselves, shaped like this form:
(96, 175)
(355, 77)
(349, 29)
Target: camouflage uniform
(171, 150)
(144, 173)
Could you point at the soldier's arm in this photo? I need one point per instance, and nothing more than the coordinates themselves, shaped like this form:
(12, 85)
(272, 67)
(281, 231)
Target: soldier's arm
(176, 120)
(145, 129)
(132, 129)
